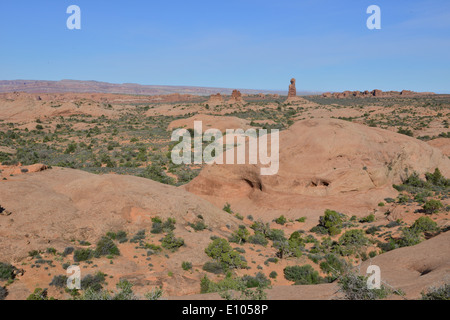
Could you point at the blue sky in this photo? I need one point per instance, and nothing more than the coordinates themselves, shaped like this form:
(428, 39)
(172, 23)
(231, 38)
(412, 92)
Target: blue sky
(325, 44)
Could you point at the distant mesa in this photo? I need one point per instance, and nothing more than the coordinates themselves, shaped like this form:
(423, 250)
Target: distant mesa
(374, 93)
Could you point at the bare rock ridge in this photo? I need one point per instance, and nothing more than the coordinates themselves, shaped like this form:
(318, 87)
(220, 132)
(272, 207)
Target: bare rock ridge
(374, 93)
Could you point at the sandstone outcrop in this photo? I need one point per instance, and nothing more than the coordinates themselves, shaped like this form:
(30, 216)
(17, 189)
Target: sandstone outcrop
(236, 98)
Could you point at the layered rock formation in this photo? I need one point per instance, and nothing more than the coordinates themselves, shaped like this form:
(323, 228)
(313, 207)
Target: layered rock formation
(374, 93)
(236, 98)
(292, 89)
(215, 99)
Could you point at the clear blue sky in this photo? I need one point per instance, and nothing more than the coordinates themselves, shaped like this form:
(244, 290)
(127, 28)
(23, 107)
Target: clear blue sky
(325, 44)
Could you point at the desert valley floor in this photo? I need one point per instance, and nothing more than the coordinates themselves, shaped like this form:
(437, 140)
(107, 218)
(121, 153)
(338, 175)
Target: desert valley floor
(87, 180)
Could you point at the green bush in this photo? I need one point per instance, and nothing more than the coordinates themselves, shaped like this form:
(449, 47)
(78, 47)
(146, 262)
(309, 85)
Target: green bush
(7, 271)
(369, 218)
(172, 243)
(333, 266)
(437, 293)
(281, 220)
(94, 282)
(302, 275)
(213, 267)
(221, 251)
(351, 241)
(59, 281)
(3, 293)
(241, 235)
(354, 287)
(106, 247)
(198, 226)
(273, 275)
(83, 255)
(276, 235)
(186, 265)
(258, 238)
(409, 237)
(39, 294)
(432, 206)
(330, 223)
(424, 224)
(259, 280)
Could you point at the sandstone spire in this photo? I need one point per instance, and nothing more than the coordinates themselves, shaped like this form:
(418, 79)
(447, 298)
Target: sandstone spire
(292, 90)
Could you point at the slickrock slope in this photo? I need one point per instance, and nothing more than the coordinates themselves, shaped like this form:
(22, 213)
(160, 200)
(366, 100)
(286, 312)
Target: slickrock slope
(324, 163)
(208, 122)
(51, 207)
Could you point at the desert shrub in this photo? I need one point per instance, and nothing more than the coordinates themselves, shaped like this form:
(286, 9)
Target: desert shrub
(138, 237)
(3, 293)
(94, 282)
(353, 237)
(302, 275)
(302, 219)
(330, 223)
(261, 227)
(288, 248)
(241, 235)
(120, 236)
(221, 251)
(186, 265)
(369, 218)
(172, 243)
(227, 208)
(39, 294)
(198, 226)
(259, 280)
(83, 255)
(354, 287)
(213, 267)
(372, 230)
(125, 293)
(351, 241)
(437, 293)
(156, 173)
(276, 235)
(409, 237)
(7, 271)
(424, 224)
(154, 294)
(405, 131)
(333, 266)
(281, 220)
(319, 230)
(273, 275)
(393, 224)
(105, 247)
(240, 290)
(258, 238)
(67, 251)
(59, 281)
(160, 226)
(432, 206)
